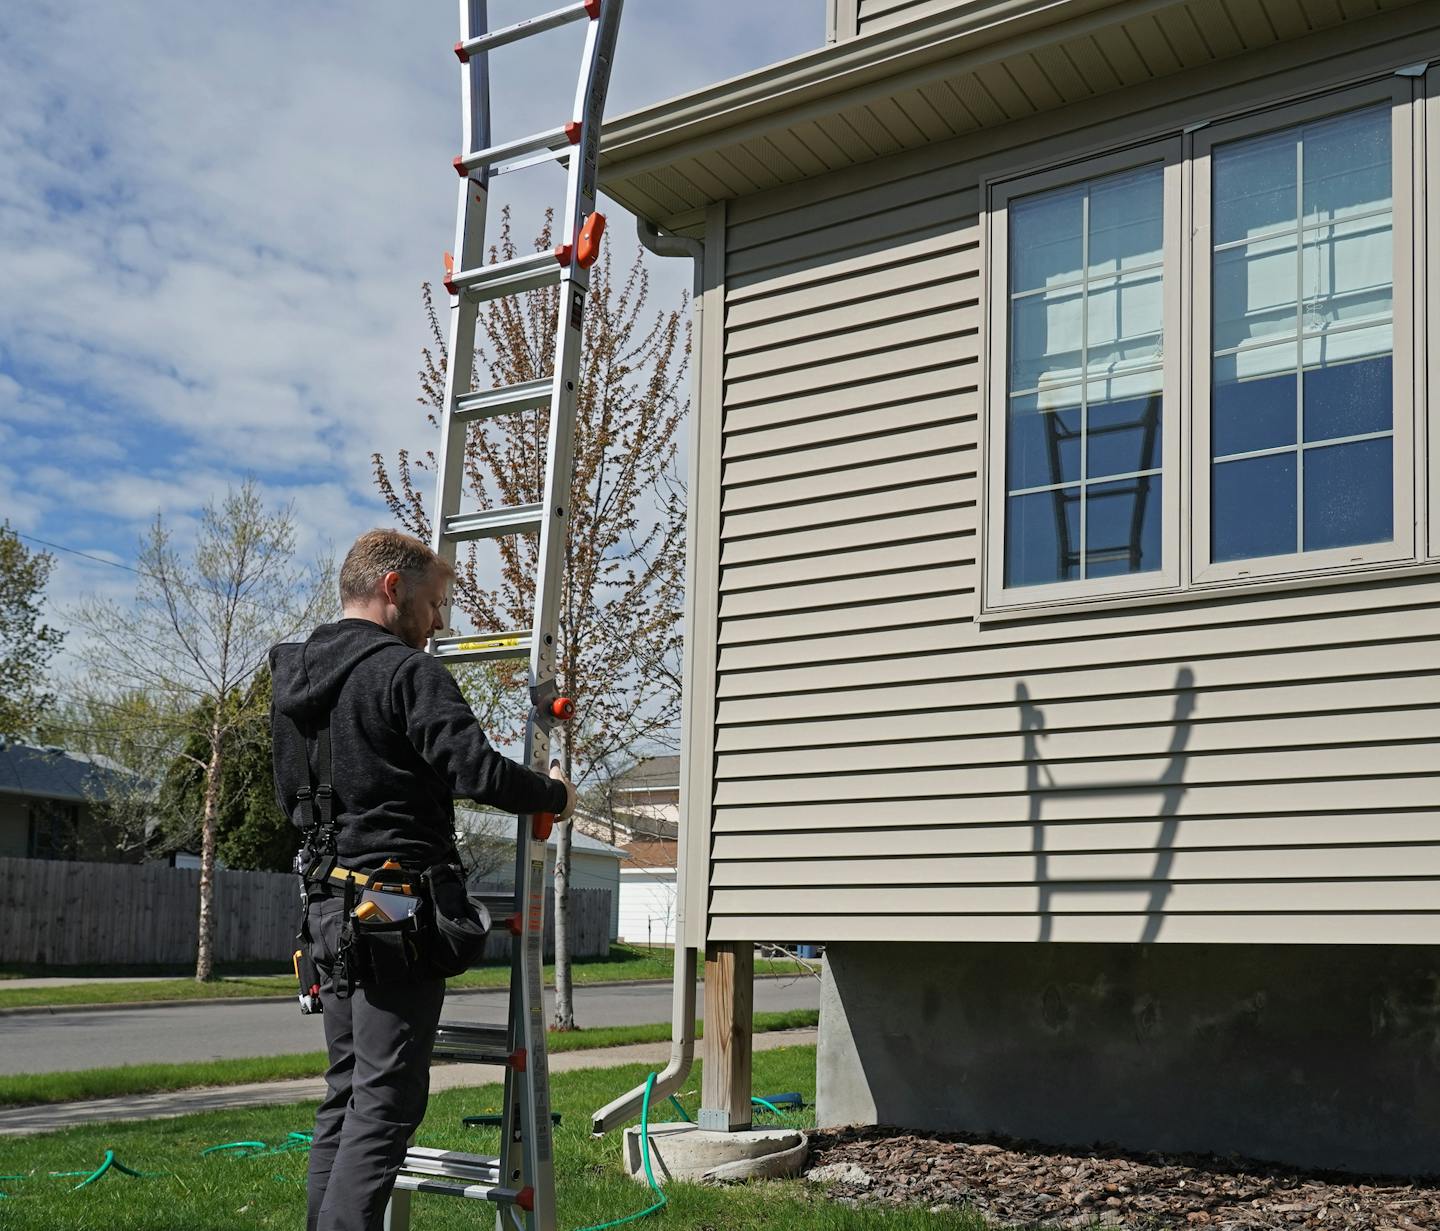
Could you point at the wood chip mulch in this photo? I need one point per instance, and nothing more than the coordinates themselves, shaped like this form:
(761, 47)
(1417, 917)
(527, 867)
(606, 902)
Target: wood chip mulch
(1014, 1182)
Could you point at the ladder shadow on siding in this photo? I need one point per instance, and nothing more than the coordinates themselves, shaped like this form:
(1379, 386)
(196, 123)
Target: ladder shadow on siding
(1170, 787)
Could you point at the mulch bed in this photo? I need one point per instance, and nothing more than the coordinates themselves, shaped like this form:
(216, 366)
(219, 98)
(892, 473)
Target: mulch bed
(1017, 1182)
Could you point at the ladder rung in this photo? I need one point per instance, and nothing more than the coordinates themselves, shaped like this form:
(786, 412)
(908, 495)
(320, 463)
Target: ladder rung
(493, 647)
(474, 1032)
(535, 160)
(524, 29)
(485, 403)
(524, 273)
(495, 523)
(451, 1188)
(552, 139)
(463, 1053)
(452, 1165)
(477, 1044)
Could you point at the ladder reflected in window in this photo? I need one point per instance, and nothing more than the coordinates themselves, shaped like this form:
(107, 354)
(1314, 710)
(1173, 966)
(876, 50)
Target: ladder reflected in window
(1082, 560)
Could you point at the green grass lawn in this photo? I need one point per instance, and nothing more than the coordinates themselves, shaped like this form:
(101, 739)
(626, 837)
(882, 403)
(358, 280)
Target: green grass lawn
(626, 962)
(191, 1192)
(32, 1089)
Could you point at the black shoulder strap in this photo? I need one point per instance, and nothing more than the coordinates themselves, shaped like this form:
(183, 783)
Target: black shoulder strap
(318, 830)
(323, 774)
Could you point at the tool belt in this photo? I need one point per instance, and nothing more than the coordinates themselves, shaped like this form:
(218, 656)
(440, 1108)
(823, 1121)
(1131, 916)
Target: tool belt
(400, 925)
(443, 935)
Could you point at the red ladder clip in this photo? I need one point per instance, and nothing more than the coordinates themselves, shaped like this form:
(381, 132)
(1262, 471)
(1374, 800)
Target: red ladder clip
(588, 250)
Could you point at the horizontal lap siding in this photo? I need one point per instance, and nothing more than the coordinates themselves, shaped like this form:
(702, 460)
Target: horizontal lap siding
(876, 15)
(1255, 767)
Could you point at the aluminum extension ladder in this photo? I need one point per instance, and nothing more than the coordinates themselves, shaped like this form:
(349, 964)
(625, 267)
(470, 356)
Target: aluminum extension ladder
(520, 1182)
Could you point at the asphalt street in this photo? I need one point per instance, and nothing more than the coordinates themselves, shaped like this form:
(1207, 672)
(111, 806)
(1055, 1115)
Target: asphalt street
(45, 1043)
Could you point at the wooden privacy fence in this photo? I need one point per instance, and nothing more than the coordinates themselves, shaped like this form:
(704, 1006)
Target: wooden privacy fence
(60, 913)
(589, 920)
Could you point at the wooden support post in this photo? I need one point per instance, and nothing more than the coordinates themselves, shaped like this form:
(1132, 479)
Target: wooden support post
(726, 1048)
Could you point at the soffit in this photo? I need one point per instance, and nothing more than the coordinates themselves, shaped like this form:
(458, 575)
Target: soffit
(981, 65)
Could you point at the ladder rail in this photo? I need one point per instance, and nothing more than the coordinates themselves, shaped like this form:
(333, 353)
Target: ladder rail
(469, 249)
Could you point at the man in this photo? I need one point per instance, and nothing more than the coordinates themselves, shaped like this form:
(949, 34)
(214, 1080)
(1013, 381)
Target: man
(403, 745)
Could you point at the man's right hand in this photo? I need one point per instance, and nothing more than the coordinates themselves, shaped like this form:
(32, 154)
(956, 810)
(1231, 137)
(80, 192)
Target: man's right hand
(559, 775)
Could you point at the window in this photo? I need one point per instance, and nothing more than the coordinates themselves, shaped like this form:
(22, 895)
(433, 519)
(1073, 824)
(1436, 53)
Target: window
(1087, 417)
(1305, 421)
(54, 829)
(1299, 417)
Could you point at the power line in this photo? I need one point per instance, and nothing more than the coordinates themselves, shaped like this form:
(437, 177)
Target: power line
(75, 551)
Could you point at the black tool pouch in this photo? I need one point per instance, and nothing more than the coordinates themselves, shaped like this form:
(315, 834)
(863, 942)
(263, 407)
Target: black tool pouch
(391, 951)
(456, 923)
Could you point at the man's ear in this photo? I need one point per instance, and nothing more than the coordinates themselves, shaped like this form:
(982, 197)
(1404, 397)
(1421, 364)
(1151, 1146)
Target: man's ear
(390, 587)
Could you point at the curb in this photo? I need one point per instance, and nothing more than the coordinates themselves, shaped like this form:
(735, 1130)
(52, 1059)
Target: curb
(221, 1001)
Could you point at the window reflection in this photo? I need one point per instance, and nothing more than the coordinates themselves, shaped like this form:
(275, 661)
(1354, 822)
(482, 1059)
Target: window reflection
(1084, 433)
(1302, 416)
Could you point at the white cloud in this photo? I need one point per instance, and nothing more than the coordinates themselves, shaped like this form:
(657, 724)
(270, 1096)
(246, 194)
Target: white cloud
(214, 222)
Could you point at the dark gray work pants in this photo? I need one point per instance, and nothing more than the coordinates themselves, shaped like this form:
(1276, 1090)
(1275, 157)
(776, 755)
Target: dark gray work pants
(379, 1040)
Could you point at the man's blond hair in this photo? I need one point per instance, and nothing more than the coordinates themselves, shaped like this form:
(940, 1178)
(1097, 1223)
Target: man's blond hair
(377, 552)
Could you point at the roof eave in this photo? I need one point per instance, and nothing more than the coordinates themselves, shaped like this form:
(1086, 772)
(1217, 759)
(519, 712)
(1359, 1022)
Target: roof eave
(838, 75)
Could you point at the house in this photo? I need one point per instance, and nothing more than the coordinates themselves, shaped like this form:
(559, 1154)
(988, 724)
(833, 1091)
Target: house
(641, 804)
(487, 842)
(1063, 641)
(647, 893)
(48, 800)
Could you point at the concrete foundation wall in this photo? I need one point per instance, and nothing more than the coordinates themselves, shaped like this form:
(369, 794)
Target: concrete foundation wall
(1318, 1056)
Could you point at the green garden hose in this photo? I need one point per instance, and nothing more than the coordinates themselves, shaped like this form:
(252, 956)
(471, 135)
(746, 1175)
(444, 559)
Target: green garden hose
(645, 1155)
(110, 1163)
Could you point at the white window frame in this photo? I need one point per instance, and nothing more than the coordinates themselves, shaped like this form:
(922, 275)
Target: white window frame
(1398, 93)
(1166, 154)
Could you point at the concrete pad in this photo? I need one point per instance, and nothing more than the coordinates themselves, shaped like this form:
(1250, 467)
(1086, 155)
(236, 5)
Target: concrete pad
(689, 1152)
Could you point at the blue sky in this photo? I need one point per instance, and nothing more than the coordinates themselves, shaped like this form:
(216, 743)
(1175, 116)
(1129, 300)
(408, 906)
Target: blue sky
(214, 221)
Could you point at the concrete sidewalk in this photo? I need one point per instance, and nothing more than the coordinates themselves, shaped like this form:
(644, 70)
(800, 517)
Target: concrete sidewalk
(100, 980)
(20, 1120)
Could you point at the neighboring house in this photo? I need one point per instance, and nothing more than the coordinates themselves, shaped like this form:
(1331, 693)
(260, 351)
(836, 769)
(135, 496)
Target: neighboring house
(593, 864)
(645, 800)
(648, 906)
(48, 799)
(1063, 639)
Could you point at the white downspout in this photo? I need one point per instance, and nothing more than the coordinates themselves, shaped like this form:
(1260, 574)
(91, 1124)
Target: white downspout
(682, 1019)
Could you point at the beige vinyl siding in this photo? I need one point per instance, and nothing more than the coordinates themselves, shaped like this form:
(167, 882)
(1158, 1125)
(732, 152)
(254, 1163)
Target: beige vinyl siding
(875, 15)
(1259, 765)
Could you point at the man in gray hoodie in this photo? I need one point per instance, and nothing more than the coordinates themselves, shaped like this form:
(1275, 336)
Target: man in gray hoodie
(403, 745)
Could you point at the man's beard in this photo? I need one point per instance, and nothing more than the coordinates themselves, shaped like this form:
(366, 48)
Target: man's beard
(408, 626)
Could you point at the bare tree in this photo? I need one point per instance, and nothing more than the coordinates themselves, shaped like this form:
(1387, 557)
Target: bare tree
(199, 630)
(620, 613)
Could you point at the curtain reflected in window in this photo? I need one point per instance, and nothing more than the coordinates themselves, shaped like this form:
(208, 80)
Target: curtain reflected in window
(1084, 492)
(1302, 414)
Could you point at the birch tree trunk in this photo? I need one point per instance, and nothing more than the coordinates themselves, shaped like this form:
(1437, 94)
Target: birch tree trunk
(205, 948)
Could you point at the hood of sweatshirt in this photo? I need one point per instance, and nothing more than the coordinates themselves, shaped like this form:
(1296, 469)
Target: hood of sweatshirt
(308, 675)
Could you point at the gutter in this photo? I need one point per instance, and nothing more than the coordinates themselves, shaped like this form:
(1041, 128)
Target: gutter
(682, 1015)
